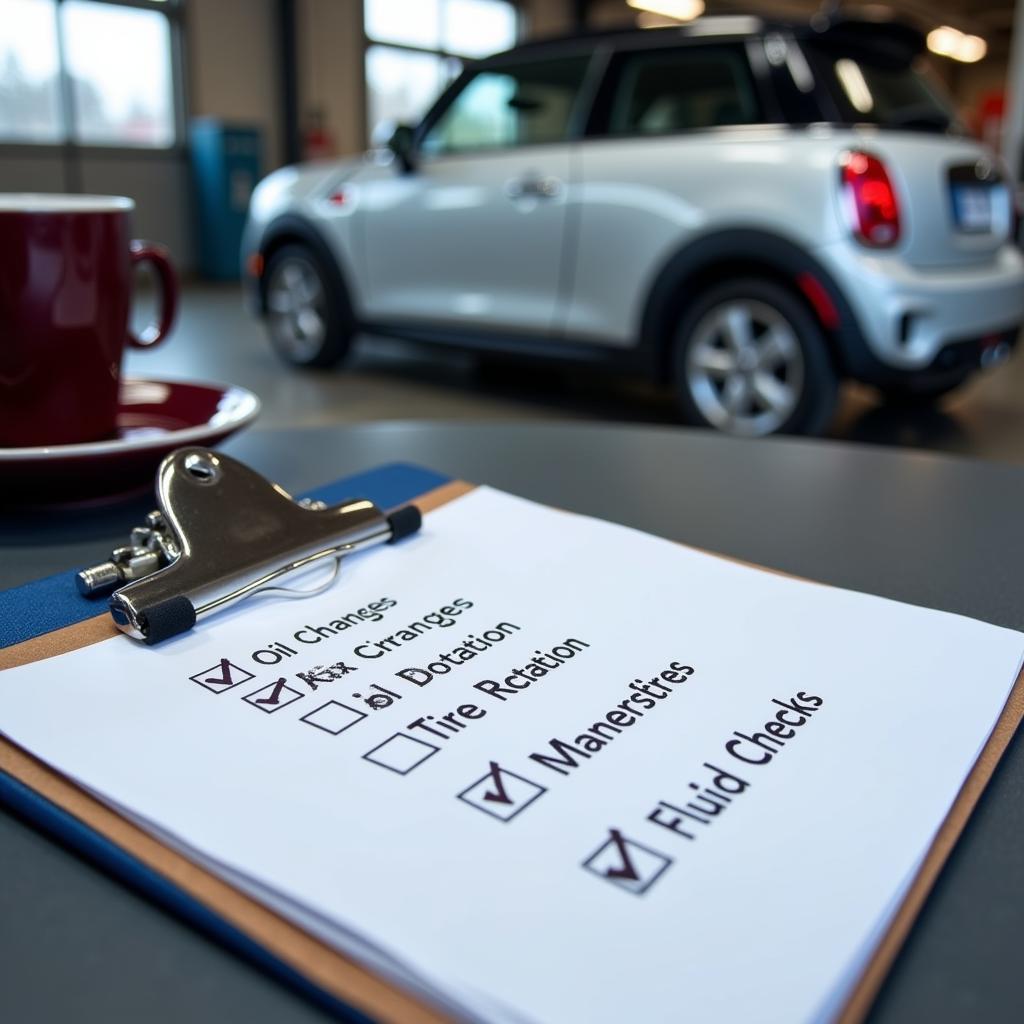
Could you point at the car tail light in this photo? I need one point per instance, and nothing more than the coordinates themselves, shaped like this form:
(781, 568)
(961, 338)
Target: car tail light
(870, 200)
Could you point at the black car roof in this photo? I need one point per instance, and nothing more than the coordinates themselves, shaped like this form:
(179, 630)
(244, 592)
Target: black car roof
(898, 39)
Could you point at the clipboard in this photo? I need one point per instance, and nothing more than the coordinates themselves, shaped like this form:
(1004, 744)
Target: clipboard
(48, 617)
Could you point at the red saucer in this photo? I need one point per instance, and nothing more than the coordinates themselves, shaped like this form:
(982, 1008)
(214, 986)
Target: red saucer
(154, 417)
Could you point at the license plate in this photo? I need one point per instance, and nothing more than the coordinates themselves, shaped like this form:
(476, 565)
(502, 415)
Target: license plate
(972, 207)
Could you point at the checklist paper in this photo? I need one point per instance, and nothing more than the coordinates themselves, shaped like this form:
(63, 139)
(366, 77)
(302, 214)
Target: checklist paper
(536, 767)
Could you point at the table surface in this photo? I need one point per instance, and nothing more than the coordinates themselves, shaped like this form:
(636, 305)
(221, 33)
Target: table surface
(931, 530)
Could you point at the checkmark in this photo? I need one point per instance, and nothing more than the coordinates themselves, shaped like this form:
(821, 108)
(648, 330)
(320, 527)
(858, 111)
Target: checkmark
(224, 679)
(274, 696)
(223, 676)
(501, 795)
(627, 872)
(626, 863)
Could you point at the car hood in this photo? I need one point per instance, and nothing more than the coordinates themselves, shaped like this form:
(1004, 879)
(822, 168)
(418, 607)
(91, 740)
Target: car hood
(292, 185)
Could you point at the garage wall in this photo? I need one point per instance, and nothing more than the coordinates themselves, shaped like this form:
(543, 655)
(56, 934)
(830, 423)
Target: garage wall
(232, 71)
(231, 49)
(329, 41)
(158, 182)
(28, 169)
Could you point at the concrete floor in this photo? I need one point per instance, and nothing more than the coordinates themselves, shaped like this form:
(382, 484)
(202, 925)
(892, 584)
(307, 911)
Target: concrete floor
(387, 380)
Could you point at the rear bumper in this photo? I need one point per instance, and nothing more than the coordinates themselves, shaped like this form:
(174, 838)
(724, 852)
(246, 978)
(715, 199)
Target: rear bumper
(953, 363)
(932, 321)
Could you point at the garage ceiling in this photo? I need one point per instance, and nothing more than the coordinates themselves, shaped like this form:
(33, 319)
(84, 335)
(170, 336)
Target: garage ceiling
(991, 19)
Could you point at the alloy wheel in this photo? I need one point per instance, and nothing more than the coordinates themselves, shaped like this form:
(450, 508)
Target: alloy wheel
(296, 309)
(745, 368)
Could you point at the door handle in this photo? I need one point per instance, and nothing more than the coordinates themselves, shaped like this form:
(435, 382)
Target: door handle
(533, 186)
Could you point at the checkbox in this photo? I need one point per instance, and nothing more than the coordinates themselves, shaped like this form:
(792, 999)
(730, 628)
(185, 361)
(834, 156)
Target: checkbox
(223, 676)
(333, 717)
(626, 863)
(501, 794)
(273, 697)
(401, 753)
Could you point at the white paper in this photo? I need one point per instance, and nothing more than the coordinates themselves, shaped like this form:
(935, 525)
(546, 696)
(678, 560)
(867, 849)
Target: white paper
(547, 892)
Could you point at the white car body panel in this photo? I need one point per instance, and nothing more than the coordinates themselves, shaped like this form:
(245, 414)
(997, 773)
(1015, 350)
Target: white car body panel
(946, 304)
(641, 200)
(452, 244)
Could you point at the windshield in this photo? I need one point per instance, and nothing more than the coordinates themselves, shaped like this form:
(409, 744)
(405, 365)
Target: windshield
(888, 94)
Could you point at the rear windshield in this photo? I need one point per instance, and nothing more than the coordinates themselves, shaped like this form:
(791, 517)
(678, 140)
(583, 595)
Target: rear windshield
(890, 94)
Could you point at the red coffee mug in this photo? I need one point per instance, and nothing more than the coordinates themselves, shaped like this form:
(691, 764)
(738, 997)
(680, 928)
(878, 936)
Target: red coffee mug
(66, 273)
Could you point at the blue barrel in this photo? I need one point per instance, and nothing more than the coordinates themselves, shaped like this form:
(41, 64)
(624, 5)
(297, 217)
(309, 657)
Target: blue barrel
(226, 165)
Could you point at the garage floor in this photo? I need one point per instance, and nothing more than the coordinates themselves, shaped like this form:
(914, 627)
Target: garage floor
(387, 380)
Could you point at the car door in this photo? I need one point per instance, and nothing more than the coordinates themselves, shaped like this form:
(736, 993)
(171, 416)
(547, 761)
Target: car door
(472, 235)
(675, 143)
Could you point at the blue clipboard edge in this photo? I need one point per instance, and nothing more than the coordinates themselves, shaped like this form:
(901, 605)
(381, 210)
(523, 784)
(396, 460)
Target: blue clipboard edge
(66, 829)
(54, 602)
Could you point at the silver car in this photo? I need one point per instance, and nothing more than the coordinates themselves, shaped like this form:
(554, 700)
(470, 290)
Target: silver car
(749, 212)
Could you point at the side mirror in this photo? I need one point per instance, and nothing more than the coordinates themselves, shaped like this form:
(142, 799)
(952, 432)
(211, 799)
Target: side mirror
(402, 145)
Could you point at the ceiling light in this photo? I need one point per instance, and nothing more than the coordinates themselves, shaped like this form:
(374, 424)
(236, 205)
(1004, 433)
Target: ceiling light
(944, 40)
(972, 48)
(680, 10)
(950, 42)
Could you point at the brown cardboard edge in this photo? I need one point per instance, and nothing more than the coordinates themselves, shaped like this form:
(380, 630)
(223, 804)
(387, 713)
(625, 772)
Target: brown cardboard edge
(870, 981)
(92, 631)
(59, 641)
(347, 980)
(328, 969)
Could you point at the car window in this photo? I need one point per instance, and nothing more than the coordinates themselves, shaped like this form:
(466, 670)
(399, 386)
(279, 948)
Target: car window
(520, 106)
(658, 92)
(887, 93)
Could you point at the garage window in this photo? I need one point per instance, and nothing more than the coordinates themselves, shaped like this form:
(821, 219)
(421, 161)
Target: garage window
(415, 48)
(30, 107)
(92, 72)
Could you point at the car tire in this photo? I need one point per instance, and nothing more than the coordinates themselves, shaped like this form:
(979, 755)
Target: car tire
(307, 313)
(750, 360)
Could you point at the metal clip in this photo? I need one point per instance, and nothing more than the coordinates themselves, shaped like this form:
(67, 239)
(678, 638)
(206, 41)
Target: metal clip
(150, 547)
(223, 533)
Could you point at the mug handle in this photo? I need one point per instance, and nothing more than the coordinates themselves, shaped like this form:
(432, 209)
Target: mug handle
(157, 255)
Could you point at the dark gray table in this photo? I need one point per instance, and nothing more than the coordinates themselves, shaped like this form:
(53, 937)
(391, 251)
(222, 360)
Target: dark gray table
(933, 530)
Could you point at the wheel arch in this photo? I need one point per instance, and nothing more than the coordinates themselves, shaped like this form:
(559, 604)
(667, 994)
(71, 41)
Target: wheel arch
(726, 254)
(292, 229)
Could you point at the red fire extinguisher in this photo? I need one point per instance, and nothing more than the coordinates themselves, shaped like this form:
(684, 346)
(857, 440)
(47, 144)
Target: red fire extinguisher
(317, 141)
